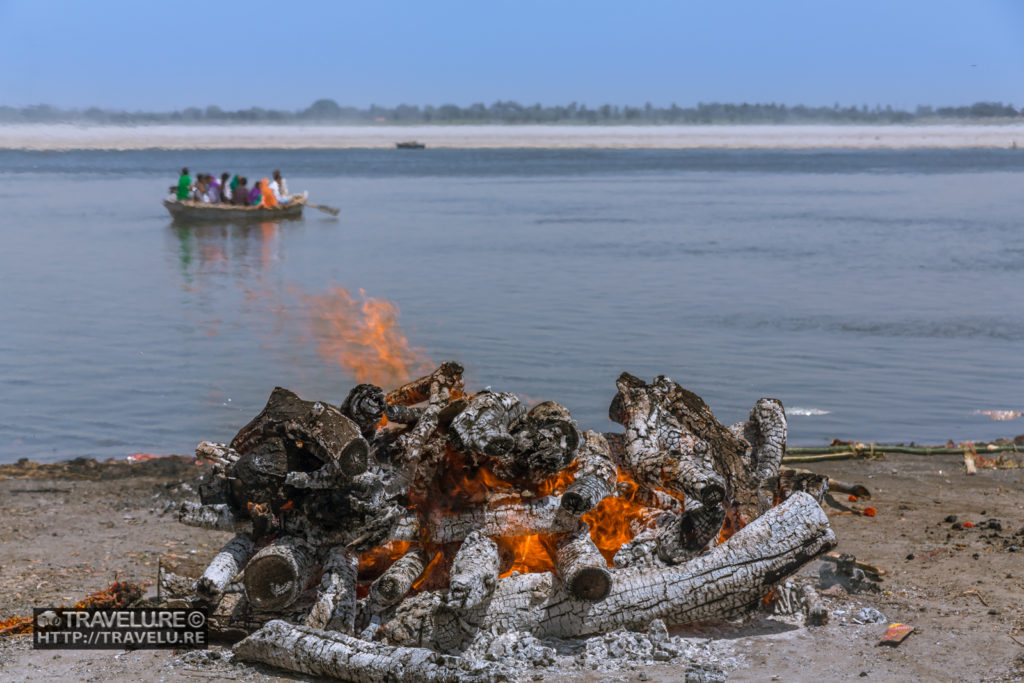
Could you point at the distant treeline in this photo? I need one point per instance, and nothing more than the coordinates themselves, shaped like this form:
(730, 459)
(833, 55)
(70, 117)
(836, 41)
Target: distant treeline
(329, 111)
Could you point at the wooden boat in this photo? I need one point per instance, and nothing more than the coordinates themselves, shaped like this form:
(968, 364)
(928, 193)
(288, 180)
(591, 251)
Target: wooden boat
(410, 144)
(200, 211)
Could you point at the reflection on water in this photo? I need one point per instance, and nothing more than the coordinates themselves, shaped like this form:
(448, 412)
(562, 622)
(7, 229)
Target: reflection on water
(203, 247)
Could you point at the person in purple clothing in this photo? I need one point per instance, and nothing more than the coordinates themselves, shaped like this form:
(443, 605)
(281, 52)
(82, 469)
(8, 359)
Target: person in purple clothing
(255, 194)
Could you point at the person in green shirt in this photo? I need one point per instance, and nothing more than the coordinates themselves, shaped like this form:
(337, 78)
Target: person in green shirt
(184, 184)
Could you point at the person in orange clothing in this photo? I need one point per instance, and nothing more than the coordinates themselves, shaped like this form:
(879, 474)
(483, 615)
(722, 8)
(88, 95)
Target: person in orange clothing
(267, 198)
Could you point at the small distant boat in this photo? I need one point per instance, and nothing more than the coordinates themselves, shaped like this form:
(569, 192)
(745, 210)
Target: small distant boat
(410, 144)
(200, 211)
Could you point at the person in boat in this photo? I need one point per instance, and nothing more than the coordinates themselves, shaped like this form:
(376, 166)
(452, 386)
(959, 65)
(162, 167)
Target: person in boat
(255, 194)
(280, 188)
(225, 188)
(184, 185)
(199, 189)
(267, 200)
(213, 195)
(240, 193)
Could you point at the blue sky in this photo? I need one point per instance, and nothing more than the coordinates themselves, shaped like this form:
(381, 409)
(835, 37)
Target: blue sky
(237, 54)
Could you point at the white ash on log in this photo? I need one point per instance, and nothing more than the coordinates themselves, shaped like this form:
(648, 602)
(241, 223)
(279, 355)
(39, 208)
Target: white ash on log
(752, 472)
(217, 453)
(336, 655)
(217, 517)
(582, 567)
(670, 434)
(278, 573)
(335, 607)
(596, 475)
(728, 580)
(485, 424)
(226, 565)
(474, 574)
(391, 586)
(538, 516)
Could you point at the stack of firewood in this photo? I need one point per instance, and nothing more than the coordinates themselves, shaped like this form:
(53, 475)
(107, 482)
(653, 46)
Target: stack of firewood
(387, 533)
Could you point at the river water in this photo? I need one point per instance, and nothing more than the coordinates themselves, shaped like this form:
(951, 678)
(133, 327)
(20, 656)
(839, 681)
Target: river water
(876, 293)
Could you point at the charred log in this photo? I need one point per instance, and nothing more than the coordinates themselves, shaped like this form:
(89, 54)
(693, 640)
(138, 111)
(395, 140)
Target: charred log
(278, 573)
(540, 516)
(671, 436)
(730, 579)
(485, 424)
(474, 574)
(226, 565)
(391, 586)
(213, 517)
(447, 375)
(546, 441)
(687, 534)
(595, 476)
(335, 608)
(365, 405)
(752, 472)
(582, 567)
(336, 655)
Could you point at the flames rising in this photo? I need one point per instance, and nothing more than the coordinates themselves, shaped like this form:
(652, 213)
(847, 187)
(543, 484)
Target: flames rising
(362, 335)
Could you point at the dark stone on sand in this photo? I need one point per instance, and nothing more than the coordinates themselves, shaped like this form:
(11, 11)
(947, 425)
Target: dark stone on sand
(950, 519)
(910, 556)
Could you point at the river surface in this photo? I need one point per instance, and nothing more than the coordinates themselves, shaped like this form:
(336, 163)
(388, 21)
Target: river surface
(878, 294)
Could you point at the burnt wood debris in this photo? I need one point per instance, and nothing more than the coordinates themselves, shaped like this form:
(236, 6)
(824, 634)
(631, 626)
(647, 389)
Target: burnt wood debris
(381, 538)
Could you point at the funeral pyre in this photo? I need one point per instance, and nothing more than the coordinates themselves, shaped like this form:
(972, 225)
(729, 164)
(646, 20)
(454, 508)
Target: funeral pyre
(381, 538)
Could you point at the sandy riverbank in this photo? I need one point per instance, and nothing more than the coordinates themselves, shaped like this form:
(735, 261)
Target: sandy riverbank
(66, 534)
(946, 136)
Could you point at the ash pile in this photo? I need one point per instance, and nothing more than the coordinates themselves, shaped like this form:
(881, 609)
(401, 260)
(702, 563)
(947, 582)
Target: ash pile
(433, 534)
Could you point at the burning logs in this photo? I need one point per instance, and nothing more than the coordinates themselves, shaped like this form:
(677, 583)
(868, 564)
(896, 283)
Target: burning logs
(526, 518)
(730, 579)
(278, 573)
(527, 523)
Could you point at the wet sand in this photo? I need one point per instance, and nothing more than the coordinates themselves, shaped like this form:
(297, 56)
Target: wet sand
(920, 136)
(961, 588)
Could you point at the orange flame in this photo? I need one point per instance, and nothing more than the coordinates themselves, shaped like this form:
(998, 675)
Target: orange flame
(363, 336)
(534, 553)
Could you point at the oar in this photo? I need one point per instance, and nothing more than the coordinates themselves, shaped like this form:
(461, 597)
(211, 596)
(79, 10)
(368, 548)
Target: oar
(326, 209)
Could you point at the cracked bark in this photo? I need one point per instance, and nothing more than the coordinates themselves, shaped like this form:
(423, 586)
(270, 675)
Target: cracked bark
(730, 579)
(278, 573)
(474, 574)
(344, 657)
(335, 608)
(582, 567)
(391, 586)
(670, 437)
(595, 475)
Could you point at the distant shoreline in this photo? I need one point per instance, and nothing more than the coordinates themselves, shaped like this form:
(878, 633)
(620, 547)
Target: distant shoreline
(66, 137)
